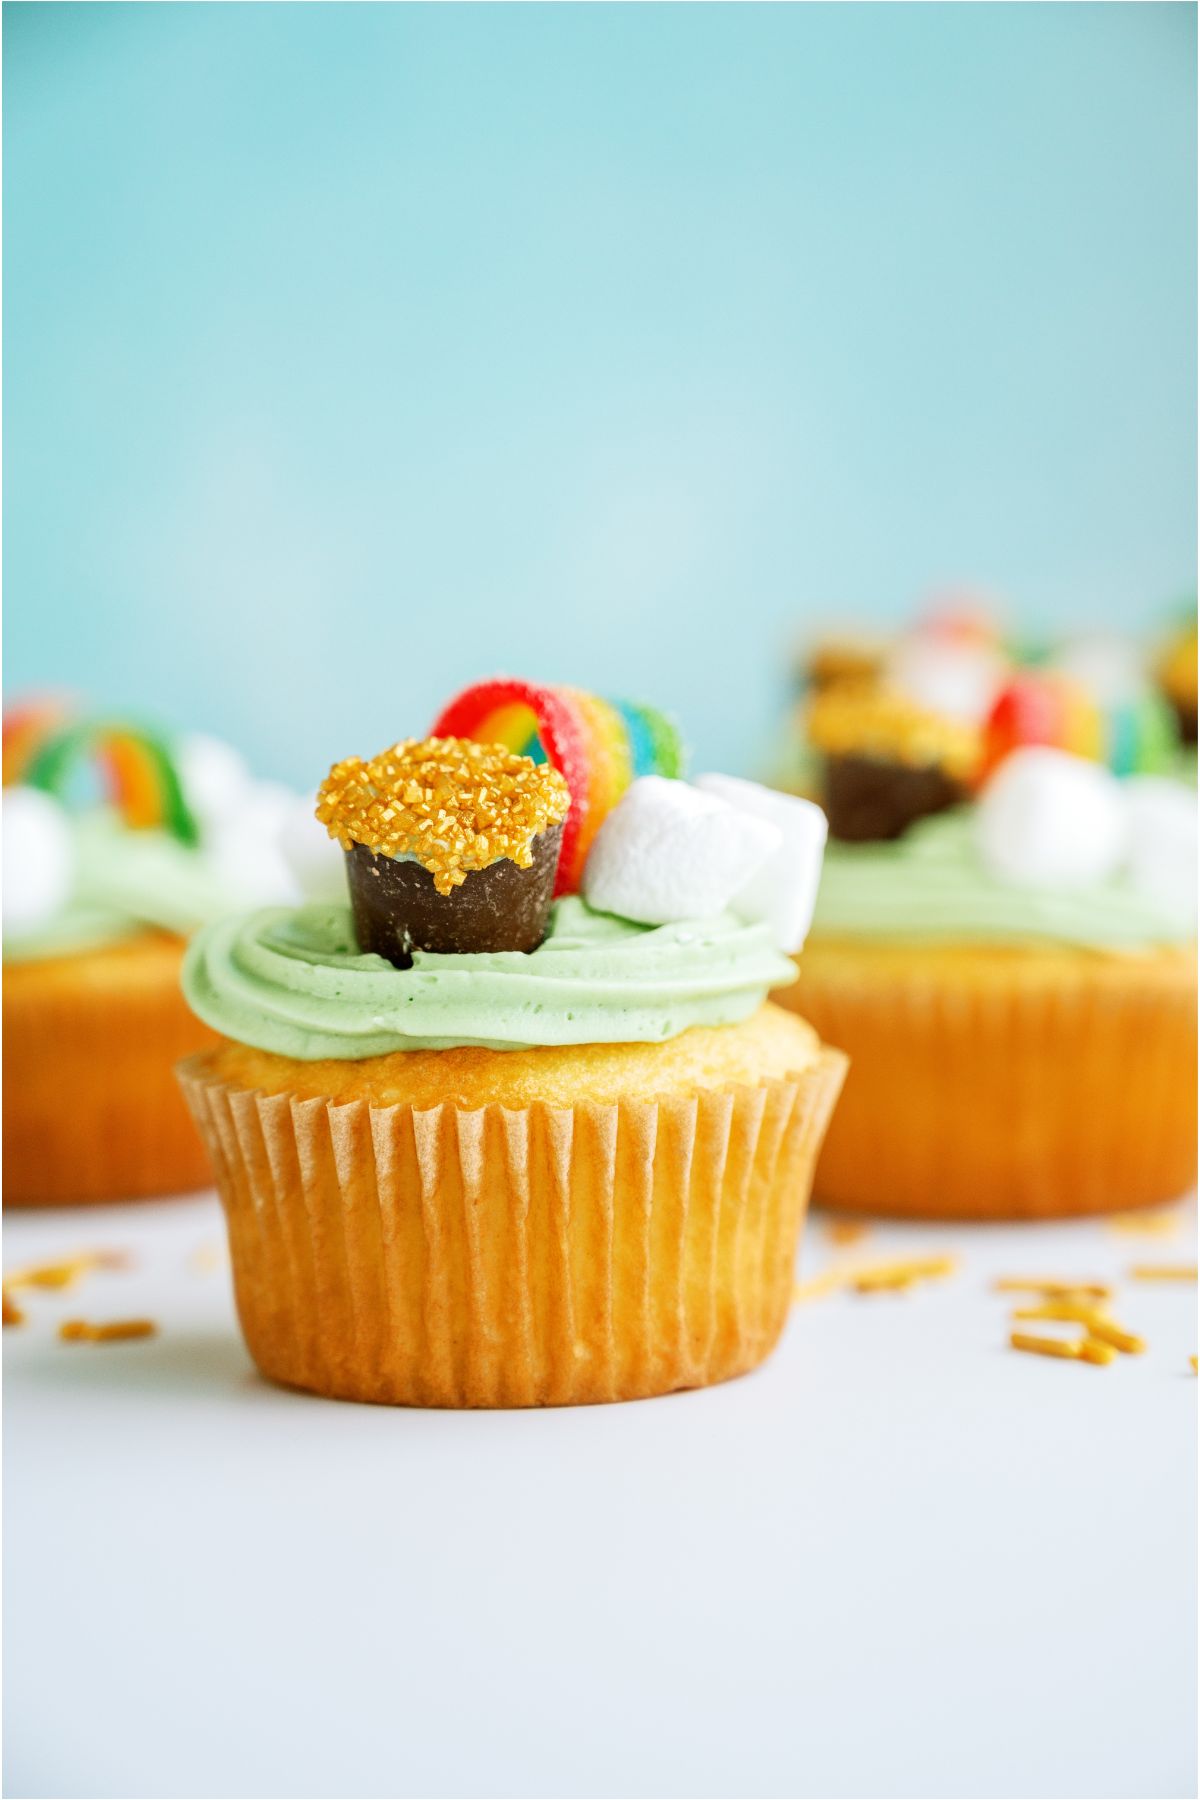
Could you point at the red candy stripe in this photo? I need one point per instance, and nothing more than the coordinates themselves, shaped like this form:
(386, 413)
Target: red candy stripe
(562, 740)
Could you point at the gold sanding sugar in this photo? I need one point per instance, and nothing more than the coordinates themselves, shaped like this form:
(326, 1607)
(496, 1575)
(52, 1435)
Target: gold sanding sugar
(453, 804)
(78, 1331)
(860, 719)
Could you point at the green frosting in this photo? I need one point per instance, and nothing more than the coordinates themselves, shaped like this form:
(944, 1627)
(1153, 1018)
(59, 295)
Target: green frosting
(931, 884)
(124, 881)
(293, 981)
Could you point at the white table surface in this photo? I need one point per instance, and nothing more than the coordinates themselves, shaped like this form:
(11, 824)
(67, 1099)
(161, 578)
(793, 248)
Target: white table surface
(899, 1560)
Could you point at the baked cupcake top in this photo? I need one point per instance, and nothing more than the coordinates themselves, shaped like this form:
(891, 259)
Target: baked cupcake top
(474, 920)
(111, 828)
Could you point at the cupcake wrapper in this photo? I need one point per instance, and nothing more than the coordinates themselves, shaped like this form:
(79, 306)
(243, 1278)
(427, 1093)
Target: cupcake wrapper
(497, 1257)
(1034, 1094)
(92, 1110)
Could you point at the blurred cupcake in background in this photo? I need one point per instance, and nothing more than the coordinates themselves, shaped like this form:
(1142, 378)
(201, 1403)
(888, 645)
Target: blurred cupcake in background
(119, 841)
(517, 1126)
(1175, 668)
(1004, 944)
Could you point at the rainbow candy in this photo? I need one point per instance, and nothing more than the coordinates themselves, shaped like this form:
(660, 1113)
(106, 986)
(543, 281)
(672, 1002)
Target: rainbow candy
(139, 774)
(1044, 707)
(598, 746)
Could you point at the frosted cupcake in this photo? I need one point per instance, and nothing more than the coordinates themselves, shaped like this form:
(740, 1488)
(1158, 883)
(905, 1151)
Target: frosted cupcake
(118, 842)
(1012, 970)
(483, 1146)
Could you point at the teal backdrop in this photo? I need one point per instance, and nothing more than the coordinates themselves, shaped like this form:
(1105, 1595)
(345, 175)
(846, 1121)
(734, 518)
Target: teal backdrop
(356, 351)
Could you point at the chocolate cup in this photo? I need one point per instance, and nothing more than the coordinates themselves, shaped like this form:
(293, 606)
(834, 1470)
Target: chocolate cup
(868, 800)
(397, 909)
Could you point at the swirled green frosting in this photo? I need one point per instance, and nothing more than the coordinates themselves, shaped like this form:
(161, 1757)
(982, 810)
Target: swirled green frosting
(931, 883)
(124, 881)
(294, 981)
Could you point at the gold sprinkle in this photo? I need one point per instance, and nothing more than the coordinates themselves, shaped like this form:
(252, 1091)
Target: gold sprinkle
(1163, 1272)
(1195, 1364)
(206, 1257)
(66, 1273)
(1145, 1224)
(1094, 1349)
(1067, 1348)
(1053, 1287)
(455, 804)
(846, 1231)
(79, 1331)
(887, 1277)
(1109, 1332)
(861, 719)
(12, 1312)
(874, 1278)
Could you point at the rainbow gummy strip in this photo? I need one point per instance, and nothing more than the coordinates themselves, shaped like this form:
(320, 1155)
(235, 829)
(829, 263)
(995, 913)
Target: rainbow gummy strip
(1042, 707)
(135, 766)
(598, 746)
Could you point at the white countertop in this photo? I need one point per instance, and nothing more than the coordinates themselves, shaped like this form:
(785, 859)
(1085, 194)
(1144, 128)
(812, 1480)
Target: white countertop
(899, 1560)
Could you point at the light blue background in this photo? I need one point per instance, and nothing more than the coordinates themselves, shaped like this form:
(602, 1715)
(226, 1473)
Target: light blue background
(353, 352)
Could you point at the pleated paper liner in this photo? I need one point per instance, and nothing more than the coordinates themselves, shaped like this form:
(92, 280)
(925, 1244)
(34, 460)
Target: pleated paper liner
(92, 1110)
(497, 1257)
(1004, 1086)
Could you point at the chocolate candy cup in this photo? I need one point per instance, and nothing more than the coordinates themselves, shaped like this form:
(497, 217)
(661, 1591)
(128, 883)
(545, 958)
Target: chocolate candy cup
(867, 799)
(397, 909)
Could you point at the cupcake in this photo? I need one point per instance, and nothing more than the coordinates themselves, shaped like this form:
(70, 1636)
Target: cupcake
(1011, 967)
(118, 842)
(517, 1125)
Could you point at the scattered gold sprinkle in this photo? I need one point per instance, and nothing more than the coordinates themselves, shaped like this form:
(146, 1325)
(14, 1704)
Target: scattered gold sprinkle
(1195, 1364)
(454, 804)
(1067, 1348)
(1093, 1349)
(79, 1331)
(1145, 1224)
(846, 1231)
(1163, 1272)
(12, 1312)
(1090, 1314)
(66, 1273)
(1053, 1287)
(873, 1278)
(861, 719)
(207, 1257)
(888, 1277)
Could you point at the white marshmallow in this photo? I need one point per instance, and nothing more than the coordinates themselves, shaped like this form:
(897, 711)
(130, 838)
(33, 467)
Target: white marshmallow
(246, 848)
(1048, 819)
(1162, 818)
(784, 891)
(959, 681)
(39, 859)
(215, 777)
(317, 861)
(667, 851)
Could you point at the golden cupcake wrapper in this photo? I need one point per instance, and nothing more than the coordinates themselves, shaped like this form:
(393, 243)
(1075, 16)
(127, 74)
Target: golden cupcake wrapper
(1037, 1094)
(498, 1257)
(92, 1110)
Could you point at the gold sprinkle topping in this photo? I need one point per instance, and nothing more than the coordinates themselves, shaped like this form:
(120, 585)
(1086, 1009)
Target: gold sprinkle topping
(1081, 1312)
(860, 719)
(874, 1277)
(1082, 1349)
(453, 804)
(1163, 1272)
(78, 1331)
(1146, 1224)
(1054, 1288)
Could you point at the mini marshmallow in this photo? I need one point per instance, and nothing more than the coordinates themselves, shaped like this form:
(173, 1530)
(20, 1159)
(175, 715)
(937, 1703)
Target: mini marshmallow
(958, 681)
(215, 778)
(39, 859)
(1052, 820)
(1162, 821)
(667, 851)
(246, 849)
(317, 861)
(784, 891)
